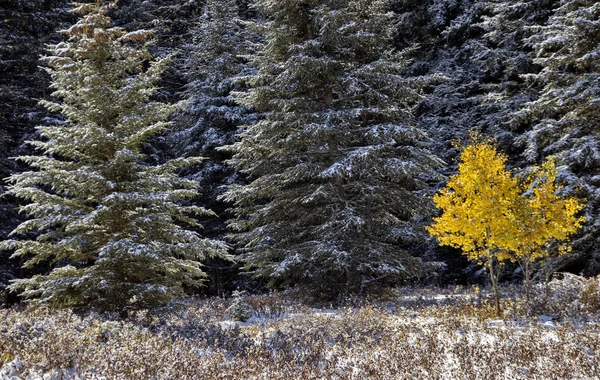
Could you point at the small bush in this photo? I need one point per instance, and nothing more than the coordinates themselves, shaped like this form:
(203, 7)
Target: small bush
(590, 295)
(240, 309)
(567, 295)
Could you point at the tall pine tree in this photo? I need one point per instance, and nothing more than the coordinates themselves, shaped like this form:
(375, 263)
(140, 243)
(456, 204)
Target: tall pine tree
(214, 64)
(215, 61)
(564, 121)
(110, 223)
(335, 163)
(505, 57)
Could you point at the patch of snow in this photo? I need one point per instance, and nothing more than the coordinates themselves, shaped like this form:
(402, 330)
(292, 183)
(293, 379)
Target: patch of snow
(496, 323)
(549, 325)
(544, 318)
(11, 370)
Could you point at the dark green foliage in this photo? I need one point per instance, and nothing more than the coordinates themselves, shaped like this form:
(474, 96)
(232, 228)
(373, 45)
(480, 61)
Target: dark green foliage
(564, 121)
(335, 163)
(214, 63)
(507, 59)
(26, 26)
(172, 21)
(324, 203)
(110, 223)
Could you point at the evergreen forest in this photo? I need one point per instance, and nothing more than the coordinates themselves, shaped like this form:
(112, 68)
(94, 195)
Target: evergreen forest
(267, 144)
(269, 184)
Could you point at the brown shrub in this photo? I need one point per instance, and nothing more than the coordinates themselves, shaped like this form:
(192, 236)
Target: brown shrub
(450, 340)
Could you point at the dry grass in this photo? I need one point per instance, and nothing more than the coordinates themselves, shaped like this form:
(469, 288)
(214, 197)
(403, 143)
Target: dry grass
(404, 336)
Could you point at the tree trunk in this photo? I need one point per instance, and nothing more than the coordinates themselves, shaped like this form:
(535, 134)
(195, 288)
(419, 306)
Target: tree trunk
(494, 276)
(527, 274)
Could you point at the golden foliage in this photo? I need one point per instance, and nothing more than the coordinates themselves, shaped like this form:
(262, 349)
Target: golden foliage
(489, 213)
(477, 205)
(544, 216)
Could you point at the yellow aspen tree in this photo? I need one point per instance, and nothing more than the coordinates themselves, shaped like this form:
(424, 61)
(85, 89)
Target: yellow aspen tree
(477, 207)
(543, 217)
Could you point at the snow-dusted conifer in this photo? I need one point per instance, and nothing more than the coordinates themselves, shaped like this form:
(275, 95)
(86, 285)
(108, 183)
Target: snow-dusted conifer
(564, 121)
(214, 62)
(481, 51)
(335, 163)
(110, 223)
(446, 37)
(503, 57)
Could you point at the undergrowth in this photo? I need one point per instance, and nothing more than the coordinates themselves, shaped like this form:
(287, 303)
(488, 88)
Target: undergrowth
(406, 334)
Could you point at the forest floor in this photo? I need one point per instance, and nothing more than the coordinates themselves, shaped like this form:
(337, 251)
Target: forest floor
(403, 334)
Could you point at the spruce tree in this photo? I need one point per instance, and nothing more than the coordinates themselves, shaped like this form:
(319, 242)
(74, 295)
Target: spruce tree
(171, 22)
(335, 163)
(445, 34)
(447, 40)
(214, 63)
(504, 57)
(563, 122)
(479, 46)
(110, 223)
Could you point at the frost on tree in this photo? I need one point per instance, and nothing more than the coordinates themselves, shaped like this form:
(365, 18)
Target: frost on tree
(447, 40)
(214, 66)
(504, 58)
(479, 47)
(110, 224)
(335, 163)
(27, 27)
(564, 121)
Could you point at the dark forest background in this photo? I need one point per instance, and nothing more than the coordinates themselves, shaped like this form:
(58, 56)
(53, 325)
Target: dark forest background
(491, 54)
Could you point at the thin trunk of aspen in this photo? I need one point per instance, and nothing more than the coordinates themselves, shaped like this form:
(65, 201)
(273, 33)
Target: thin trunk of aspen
(527, 273)
(494, 277)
